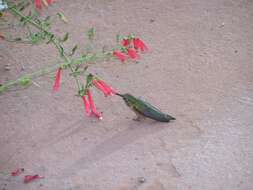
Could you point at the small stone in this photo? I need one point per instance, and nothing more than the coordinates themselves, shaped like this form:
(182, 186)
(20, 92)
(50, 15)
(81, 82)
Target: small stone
(222, 25)
(7, 67)
(151, 20)
(141, 180)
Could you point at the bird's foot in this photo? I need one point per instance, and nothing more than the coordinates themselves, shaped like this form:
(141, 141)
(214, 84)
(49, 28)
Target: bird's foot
(138, 118)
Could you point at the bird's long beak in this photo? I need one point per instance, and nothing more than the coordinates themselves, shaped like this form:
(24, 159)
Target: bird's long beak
(120, 95)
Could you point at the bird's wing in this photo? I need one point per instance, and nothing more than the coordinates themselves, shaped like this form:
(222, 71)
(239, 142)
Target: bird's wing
(146, 109)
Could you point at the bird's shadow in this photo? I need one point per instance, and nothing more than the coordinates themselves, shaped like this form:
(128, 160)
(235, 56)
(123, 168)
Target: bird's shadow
(135, 131)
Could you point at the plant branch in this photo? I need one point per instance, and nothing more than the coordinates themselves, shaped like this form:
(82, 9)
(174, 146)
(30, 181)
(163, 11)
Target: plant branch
(68, 62)
(53, 39)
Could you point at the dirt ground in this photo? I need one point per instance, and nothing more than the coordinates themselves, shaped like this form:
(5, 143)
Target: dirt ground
(199, 70)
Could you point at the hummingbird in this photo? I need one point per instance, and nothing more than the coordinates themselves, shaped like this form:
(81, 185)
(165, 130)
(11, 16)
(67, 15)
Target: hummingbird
(144, 109)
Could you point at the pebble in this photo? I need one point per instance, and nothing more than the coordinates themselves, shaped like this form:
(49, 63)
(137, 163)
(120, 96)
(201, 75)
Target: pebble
(141, 180)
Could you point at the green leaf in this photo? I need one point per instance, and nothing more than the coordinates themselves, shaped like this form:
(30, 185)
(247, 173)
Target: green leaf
(51, 37)
(65, 38)
(25, 81)
(62, 17)
(85, 68)
(22, 5)
(91, 33)
(35, 38)
(24, 20)
(88, 48)
(81, 92)
(2, 88)
(123, 49)
(89, 79)
(17, 39)
(46, 22)
(61, 51)
(47, 19)
(75, 73)
(73, 50)
(119, 37)
(79, 72)
(131, 36)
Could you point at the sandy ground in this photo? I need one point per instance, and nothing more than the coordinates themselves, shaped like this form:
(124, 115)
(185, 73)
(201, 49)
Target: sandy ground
(199, 70)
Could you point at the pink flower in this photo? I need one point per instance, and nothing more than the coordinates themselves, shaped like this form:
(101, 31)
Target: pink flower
(132, 53)
(105, 88)
(109, 89)
(2, 37)
(49, 1)
(139, 44)
(121, 56)
(125, 42)
(38, 4)
(30, 178)
(17, 172)
(93, 107)
(86, 105)
(57, 82)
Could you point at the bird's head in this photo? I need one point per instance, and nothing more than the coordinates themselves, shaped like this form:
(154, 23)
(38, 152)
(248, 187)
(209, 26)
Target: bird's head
(128, 98)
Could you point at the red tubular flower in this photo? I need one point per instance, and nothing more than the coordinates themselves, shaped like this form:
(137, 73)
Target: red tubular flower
(106, 89)
(109, 89)
(121, 56)
(93, 107)
(17, 172)
(2, 37)
(49, 1)
(57, 82)
(100, 87)
(30, 178)
(132, 53)
(38, 4)
(139, 44)
(86, 105)
(125, 42)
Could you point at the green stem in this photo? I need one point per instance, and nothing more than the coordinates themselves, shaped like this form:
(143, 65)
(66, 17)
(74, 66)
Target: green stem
(52, 68)
(54, 41)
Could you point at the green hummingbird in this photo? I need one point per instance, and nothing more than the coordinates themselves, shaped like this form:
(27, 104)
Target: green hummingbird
(143, 109)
